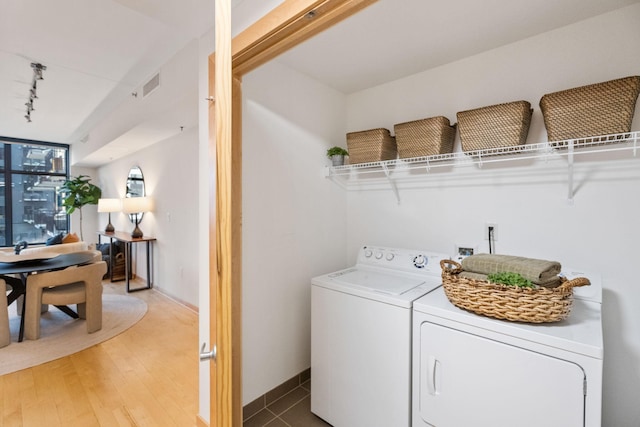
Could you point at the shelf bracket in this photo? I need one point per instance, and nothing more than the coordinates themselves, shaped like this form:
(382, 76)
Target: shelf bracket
(394, 187)
(570, 170)
(548, 151)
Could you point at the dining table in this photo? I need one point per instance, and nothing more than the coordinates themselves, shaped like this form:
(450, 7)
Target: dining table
(16, 271)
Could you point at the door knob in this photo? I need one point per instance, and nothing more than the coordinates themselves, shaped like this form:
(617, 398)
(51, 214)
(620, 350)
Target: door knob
(208, 355)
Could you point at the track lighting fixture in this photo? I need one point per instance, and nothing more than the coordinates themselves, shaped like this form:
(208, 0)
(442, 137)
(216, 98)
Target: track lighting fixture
(37, 75)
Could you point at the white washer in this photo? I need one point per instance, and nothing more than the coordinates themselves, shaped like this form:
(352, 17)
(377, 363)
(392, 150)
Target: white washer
(474, 370)
(361, 336)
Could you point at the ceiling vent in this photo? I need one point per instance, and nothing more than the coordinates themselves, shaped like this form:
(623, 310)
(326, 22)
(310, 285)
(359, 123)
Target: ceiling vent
(151, 85)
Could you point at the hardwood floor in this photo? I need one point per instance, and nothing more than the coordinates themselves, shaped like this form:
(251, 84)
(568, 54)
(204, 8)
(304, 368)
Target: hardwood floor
(146, 376)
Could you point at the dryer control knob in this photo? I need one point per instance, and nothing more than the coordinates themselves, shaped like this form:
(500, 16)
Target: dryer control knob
(390, 256)
(379, 255)
(420, 261)
(368, 253)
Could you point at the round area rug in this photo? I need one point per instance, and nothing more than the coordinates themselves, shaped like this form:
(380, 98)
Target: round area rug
(60, 335)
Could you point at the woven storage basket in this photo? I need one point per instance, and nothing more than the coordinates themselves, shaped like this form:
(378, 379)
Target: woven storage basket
(371, 146)
(539, 305)
(425, 137)
(502, 125)
(119, 268)
(598, 109)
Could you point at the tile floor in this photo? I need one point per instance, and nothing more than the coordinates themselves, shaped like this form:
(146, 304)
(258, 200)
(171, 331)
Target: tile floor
(292, 410)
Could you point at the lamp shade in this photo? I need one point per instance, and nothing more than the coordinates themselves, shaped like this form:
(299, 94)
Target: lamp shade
(133, 205)
(109, 205)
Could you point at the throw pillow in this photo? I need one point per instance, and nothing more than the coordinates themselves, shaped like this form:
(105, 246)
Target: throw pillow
(55, 240)
(70, 238)
(117, 247)
(103, 247)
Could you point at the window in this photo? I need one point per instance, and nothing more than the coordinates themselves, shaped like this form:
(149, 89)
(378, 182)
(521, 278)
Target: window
(31, 174)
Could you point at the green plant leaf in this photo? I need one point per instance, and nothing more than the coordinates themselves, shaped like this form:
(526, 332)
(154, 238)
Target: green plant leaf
(510, 279)
(78, 192)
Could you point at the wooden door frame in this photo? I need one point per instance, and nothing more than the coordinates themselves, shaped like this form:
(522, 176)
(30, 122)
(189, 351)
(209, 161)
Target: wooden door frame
(286, 26)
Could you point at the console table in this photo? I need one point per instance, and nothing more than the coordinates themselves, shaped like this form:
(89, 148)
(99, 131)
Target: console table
(128, 241)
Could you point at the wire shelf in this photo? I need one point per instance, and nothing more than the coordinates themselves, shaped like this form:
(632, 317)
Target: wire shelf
(392, 169)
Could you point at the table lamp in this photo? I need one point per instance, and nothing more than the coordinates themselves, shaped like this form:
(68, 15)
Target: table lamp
(109, 205)
(135, 205)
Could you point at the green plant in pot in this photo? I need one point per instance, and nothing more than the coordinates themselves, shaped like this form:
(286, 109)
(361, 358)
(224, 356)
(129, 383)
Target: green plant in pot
(336, 154)
(78, 192)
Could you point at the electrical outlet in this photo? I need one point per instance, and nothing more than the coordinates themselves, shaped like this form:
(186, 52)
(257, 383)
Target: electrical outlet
(463, 251)
(487, 229)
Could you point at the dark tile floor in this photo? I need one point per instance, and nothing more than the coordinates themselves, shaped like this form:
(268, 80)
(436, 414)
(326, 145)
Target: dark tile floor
(291, 410)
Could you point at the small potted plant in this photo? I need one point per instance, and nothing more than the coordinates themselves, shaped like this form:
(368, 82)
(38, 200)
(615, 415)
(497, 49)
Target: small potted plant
(336, 154)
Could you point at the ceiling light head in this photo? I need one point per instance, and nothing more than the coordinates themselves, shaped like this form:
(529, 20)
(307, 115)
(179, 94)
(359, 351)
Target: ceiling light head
(37, 70)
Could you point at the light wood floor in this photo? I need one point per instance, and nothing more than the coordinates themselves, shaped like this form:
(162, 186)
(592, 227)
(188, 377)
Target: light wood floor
(146, 376)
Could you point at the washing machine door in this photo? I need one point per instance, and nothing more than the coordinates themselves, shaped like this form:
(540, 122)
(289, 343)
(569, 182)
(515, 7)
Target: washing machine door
(467, 380)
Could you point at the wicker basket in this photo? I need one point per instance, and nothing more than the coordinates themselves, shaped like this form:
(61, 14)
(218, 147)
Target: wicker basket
(502, 125)
(425, 137)
(539, 305)
(371, 146)
(119, 268)
(598, 109)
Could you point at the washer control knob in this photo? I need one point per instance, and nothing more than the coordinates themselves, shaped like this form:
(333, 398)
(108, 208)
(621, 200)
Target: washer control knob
(390, 256)
(379, 255)
(368, 253)
(420, 261)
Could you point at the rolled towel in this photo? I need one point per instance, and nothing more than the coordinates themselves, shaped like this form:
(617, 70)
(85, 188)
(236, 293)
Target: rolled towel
(553, 282)
(540, 272)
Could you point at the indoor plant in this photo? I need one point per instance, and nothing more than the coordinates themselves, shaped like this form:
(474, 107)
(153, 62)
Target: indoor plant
(336, 154)
(78, 192)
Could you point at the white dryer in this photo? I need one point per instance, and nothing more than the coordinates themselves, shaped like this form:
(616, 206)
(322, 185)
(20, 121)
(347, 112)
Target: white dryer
(361, 336)
(474, 370)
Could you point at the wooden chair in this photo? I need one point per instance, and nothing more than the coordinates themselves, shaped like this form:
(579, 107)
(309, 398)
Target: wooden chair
(5, 334)
(80, 285)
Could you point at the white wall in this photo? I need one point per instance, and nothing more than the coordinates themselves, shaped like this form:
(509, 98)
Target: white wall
(294, 219)
(170, 168)
(529, 201)
(171, 179)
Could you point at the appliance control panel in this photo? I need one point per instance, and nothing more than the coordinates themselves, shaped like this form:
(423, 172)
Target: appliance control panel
(409, 260)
